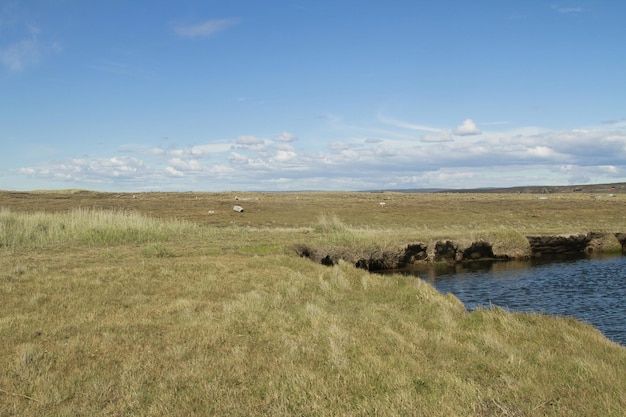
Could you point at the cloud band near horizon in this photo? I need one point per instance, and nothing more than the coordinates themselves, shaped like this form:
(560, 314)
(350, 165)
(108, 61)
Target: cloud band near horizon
(576, 156)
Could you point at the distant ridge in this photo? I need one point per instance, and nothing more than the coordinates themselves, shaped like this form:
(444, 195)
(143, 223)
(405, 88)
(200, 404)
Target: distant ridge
(412, 190)
(616, 187)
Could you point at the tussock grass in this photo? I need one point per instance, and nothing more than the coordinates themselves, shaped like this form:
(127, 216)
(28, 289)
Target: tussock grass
(178, 319)
(88, 226)
(327, 223)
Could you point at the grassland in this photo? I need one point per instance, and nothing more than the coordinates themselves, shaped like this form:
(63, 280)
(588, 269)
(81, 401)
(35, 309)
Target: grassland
(122, 304)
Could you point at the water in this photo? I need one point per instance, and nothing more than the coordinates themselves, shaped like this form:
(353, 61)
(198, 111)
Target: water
(592, 290)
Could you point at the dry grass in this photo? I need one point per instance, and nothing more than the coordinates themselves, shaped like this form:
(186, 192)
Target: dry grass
(431, 215)
(171, 317)
(89, 227)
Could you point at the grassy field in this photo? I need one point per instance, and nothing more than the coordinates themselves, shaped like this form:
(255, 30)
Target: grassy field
(408, 214)
(146, 305)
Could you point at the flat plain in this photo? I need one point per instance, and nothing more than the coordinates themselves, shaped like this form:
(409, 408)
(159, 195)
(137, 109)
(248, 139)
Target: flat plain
(602, 210)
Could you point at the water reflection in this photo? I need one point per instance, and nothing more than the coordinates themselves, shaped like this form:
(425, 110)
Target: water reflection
(590, 289)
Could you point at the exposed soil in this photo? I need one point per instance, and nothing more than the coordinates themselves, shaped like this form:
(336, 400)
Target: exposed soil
(452, 252)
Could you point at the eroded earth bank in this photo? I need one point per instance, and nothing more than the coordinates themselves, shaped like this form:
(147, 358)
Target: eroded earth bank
(450, 251)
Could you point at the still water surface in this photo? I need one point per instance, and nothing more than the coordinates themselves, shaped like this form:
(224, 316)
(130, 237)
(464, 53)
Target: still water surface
(592, 290)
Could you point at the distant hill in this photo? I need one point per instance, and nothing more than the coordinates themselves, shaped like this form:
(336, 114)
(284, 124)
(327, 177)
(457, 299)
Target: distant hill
(617, 187)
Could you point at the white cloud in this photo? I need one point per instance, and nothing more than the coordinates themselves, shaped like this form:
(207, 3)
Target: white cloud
(443, 136)
(90, 170)
(185, 165)
(27, 171)
(540, 152)
(196, 151)
(250, 143)
(283, 156)
(174, 172)
(203, 29)
(286, 137)
(238, 158)
(207, 149)
(468, 128)
(288, 147)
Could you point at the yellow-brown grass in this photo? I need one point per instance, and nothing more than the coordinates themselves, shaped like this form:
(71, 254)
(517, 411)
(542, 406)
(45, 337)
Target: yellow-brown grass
(173, 317)
(430, 215)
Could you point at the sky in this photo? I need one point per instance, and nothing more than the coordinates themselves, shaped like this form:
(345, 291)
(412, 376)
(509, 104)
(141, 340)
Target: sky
(278, 95)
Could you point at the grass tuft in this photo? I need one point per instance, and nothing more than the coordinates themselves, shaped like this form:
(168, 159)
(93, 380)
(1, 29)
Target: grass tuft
(86, 226)
(330, 224)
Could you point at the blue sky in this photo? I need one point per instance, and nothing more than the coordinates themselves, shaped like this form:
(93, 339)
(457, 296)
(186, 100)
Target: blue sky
(310, 95)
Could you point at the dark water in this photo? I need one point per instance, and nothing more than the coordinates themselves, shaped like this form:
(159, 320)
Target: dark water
(592, 290)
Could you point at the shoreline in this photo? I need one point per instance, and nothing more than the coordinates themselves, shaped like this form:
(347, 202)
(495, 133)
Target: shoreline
(456, 252)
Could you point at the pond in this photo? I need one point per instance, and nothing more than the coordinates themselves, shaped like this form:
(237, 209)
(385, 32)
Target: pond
(591, 289)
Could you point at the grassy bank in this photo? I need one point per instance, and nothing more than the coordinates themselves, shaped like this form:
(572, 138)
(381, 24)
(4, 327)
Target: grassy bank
(118, 312)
